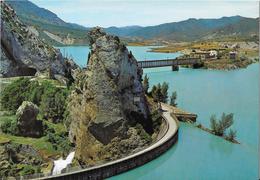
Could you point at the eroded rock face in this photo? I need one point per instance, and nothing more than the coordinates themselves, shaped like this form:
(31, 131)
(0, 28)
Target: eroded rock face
(12, 155)
(23, 52)
(27, 122)
(108, 99)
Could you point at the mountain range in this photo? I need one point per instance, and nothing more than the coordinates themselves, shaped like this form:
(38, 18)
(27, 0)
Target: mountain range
(58, 32)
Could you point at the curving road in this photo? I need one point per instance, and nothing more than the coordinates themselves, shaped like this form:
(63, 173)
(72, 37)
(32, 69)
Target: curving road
(168, 139)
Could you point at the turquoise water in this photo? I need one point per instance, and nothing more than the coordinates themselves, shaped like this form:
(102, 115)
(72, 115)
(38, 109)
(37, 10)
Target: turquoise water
(80, 53)
(199, 155)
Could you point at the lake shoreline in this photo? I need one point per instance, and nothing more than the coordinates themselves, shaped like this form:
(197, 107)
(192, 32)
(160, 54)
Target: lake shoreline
(205, 92)
(228, 66)
(200, 126)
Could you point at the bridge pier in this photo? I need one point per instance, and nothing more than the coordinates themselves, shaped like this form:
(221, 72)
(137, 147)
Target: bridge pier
(198, 65)
(175, 68)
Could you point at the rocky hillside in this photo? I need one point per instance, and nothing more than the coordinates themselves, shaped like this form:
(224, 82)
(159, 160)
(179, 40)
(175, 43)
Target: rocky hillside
(50, 27)
(23, 52)
(196, 29)
(109, 113)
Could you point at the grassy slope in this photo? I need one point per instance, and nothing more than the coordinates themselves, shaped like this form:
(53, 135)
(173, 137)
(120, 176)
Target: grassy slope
(44, 147)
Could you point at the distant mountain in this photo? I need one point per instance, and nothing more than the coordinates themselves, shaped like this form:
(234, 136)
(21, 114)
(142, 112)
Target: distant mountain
(123, 31)
(58, 32)
(50, 26)
(194, 29)
(29, 11)
(244, 27)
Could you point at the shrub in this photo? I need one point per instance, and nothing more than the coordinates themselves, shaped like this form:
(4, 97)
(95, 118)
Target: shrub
(29, 169)
(59, 141)
(156, 119)
(36, 91)
(142, 133)
(50, 99)
(9, 127)
(14, 94)
(53, 104)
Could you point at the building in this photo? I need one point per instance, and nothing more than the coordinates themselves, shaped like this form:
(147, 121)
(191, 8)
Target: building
(205, 54)
(232, 54)
(201, 54)
(213, 53)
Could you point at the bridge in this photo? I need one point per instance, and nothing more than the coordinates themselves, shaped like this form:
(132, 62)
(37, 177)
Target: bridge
(169, 62)
(181, 114)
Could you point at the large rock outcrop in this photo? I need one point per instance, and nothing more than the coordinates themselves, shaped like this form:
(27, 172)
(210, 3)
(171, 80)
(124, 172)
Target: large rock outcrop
(108, 105)
(27, 123)
(22, 52)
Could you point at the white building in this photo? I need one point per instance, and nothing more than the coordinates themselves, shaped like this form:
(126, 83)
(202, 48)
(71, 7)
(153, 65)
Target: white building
(213, 53)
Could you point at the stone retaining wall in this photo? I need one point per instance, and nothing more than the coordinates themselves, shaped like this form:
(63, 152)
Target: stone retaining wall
(111, 169)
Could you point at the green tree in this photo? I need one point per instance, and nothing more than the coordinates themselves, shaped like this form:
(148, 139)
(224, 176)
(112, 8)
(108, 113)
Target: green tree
(146, 84)
(35, 91)
(219, 127)
(173, 99)
(226, 121)
(21, 90)
(213, 123)
(152, 92)
(164, 92)
(53, 104)
(50, 99)
(157, 95)
(14, 94)
(231, 135)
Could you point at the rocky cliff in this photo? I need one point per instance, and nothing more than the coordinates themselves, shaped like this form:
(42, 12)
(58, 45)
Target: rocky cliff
(108, 110)
(22, 52)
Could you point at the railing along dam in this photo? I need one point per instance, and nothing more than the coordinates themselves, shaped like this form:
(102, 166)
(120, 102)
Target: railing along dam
(167, 137)
(169, 62)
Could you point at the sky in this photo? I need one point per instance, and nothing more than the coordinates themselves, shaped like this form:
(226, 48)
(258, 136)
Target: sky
(106, 13)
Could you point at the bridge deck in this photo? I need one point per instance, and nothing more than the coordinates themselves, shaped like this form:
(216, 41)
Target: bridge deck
(168, 62)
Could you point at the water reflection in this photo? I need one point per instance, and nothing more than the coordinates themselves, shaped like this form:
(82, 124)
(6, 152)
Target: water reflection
(217, 144)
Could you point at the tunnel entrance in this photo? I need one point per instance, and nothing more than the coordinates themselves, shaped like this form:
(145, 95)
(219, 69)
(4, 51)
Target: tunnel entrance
(26, 71)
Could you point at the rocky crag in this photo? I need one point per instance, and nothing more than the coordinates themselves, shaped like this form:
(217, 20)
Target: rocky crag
(108, 111)
(27, 122)
(23, 53)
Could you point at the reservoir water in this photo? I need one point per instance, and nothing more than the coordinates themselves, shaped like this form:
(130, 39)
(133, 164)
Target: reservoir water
(199, 155)
(80, 53)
